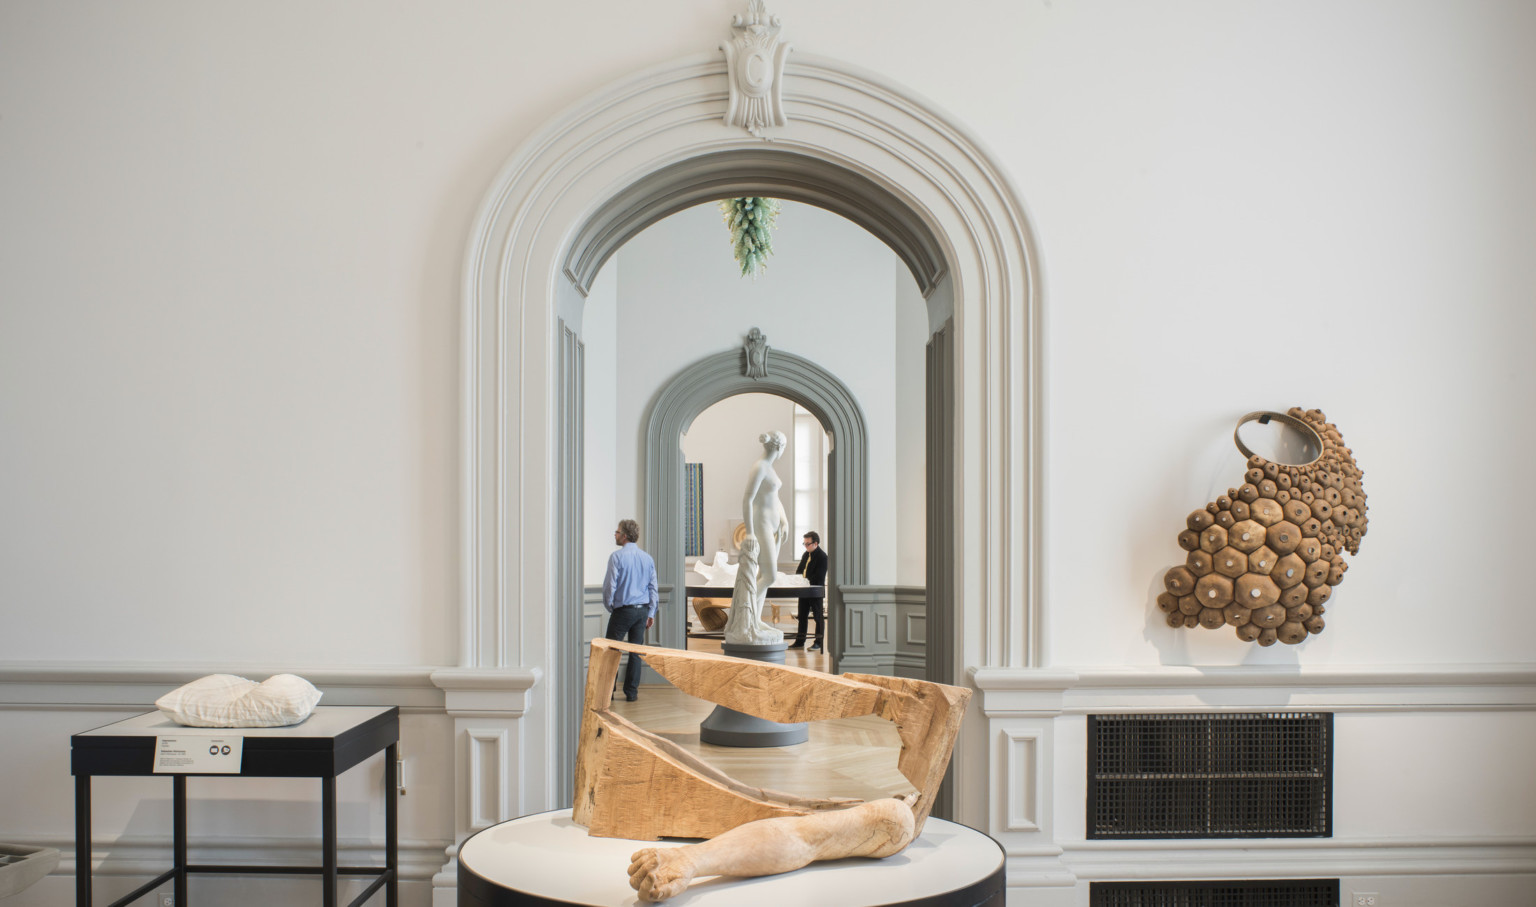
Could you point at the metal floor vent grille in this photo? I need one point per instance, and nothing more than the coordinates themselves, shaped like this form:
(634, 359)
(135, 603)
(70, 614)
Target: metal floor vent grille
(1277, 893)
(1243, 775)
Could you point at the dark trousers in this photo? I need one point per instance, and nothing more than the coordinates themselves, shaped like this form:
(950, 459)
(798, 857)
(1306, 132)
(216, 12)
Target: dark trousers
(810, 607)
(629, 621)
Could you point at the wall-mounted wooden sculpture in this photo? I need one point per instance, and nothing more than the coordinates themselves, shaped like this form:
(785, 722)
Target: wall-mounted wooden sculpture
(631, 783)
(1264, 558)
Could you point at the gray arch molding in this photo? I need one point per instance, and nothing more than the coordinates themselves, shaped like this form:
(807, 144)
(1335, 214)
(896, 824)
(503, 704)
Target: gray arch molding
(780, 174)
(715, 378)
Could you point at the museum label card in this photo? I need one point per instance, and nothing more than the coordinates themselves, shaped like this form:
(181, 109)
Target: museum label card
(198, 755)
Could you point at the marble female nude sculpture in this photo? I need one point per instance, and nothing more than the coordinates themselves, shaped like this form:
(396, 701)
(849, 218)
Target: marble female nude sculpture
(767, 530)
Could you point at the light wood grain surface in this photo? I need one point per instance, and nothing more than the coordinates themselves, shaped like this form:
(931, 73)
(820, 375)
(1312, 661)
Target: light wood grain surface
(844, 757)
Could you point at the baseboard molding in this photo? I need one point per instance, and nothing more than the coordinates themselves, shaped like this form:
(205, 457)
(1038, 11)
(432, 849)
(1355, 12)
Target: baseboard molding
(1075, 862)
(151, 855)
(1253, 858)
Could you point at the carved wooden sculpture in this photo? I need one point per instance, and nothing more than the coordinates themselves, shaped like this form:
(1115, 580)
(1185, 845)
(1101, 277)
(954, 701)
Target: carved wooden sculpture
(875, 829)
(633, 784)
(1265, 557)
(712, 612)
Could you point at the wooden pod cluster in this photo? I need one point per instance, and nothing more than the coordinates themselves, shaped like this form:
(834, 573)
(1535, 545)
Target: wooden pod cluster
(1265, 556)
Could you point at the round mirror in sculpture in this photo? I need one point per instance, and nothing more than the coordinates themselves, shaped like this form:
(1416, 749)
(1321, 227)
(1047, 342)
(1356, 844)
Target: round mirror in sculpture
(1281, 438)
(1264, 557)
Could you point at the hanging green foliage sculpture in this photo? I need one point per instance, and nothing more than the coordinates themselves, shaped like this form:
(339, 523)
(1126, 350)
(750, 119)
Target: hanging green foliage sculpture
(751, 222)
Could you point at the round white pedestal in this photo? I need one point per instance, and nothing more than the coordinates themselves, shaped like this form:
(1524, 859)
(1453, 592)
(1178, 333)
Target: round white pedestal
(546, 858)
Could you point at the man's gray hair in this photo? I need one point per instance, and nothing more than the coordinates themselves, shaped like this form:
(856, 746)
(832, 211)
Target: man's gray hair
(631, 530)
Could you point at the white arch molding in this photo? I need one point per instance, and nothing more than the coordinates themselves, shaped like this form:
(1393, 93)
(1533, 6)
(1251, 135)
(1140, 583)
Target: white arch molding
(627, 156)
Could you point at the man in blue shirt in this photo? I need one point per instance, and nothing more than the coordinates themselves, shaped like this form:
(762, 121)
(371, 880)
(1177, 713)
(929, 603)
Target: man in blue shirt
(629, 594)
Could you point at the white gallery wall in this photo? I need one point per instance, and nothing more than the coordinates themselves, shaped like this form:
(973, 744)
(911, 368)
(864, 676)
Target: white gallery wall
(231, 246)
(231, 278)
(831, 293)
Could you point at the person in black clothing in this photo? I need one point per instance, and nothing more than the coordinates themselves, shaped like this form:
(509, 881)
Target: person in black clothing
(813, 566)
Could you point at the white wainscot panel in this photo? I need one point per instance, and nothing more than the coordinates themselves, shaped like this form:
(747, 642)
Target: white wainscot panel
(1021, 769)
(1431, 778)
(487, 770)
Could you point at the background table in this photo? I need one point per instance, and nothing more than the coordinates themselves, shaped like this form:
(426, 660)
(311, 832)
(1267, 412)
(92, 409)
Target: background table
(547, 859)
(330, 741)
(774, 592)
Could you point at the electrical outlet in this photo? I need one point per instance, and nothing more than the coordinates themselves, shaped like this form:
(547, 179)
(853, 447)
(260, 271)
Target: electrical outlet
(1366, 899)
(167, 899)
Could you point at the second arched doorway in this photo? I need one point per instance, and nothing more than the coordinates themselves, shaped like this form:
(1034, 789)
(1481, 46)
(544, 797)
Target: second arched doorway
(724, 375)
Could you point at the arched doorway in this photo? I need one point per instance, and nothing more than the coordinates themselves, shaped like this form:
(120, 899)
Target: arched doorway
(577, 190)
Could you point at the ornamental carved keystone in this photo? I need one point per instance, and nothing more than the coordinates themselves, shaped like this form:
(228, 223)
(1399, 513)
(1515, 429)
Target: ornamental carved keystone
(754, 63)
(756, 349)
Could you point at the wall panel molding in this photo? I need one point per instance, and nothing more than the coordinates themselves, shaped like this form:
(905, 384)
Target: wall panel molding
(860, 635)
(568, 665)
(943, 462)
(487, 777)
(1021, 766)
(875, 638)
(916, 629)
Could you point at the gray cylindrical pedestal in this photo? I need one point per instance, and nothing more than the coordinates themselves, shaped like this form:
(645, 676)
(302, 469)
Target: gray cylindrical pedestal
(728, 727)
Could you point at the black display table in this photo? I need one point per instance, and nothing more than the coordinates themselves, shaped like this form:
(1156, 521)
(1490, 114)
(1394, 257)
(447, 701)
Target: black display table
(327, 743)
(546, 859)
(726, 592)
(773, 591)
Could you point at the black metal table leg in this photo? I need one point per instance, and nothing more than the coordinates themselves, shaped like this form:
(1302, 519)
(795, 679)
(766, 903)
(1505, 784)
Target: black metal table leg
(392, 825)
(179, 836)
(328, 872)
(82, 841)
